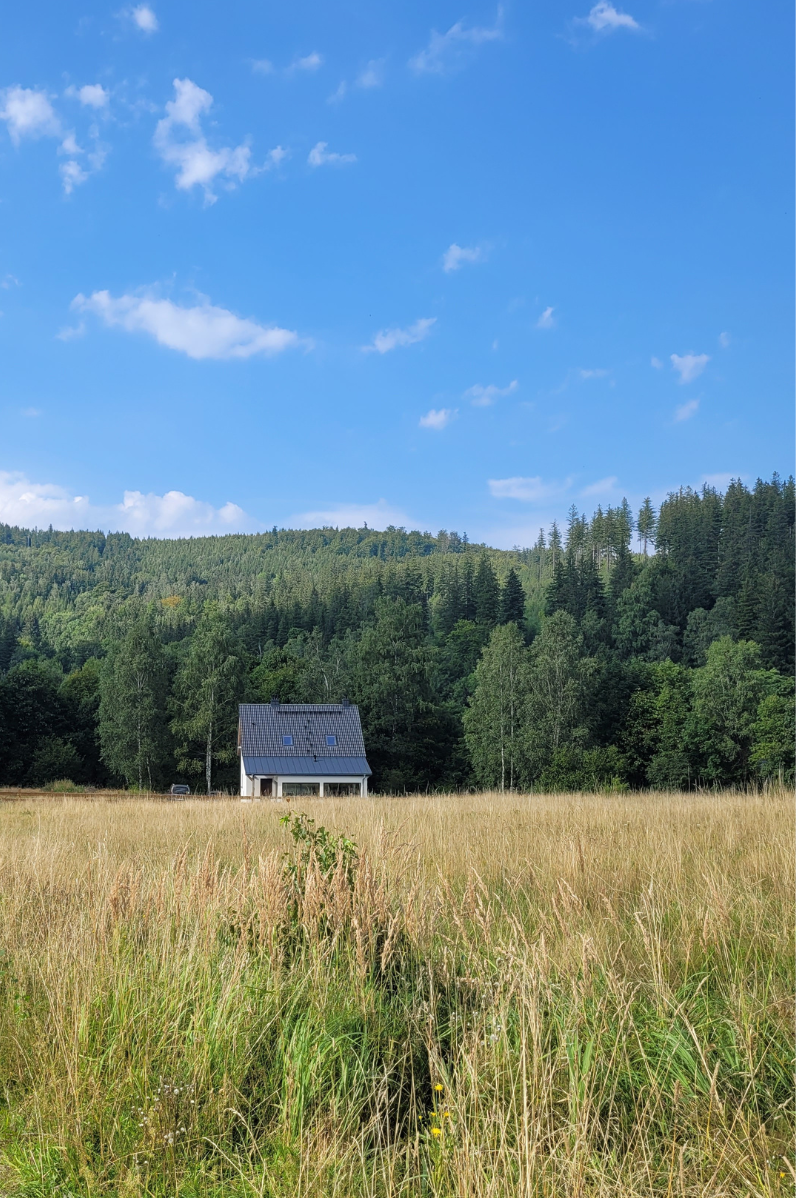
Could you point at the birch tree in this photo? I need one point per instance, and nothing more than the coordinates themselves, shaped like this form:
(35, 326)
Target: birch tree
(493, 723)
(208, 688)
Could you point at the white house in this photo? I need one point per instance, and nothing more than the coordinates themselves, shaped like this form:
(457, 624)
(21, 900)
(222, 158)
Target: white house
(290, 749)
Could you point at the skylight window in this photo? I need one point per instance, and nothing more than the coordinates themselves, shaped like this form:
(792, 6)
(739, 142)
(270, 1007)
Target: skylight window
(331, 741)
(287, 740)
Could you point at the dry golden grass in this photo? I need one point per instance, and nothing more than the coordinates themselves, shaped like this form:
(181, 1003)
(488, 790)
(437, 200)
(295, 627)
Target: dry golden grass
(601, 985)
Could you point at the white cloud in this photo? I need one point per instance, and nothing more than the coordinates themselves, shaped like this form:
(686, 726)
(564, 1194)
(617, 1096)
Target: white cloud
(143, 17)
(656, 364)
(528, 489)
(603, 486)
(352, 515)
(310, 62)
(339, 94)
(724, 340)
(31, 413)
(447, 50)
(686, 410)
(721, 481)
(596, 373)
(92, 95)
(72, 175)
(262, 66)
(546, 320)
(320, 156)
(387, 339)
(69, 333)
(455, 255)
(195, 162)
(28, 113)
(438, 419)
(372, 75)
(174, 514)
(203, 331)
(483, 397)
(689, 366)
(603, 18)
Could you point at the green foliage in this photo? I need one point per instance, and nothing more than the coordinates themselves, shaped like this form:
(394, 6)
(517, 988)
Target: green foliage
(773, 733)
(494, 722)
(317, 846)
(396, 621)
(132, 711)
(207, 690)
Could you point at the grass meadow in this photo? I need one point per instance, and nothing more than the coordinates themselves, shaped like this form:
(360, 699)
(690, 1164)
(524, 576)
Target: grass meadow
(501, 996)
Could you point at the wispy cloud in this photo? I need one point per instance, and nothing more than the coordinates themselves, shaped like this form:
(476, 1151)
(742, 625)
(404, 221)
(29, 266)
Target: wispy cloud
(689, 366)
(594, 373)
(438, 418)
(143, 17)
(603, 486)
(262, 66)
(656, 363)
(455, 255)
(174, 514)
(530, 490)
(371, 75)
(352, 515)
(70, 332)
(482, 397)
(387, 339)
(724, 340)
(320, 156)
(448, 50)
(686, 410)
(202, 331)
(310, 62)
(181, 143)
(30, 413)
(604, 18)
(546, 320)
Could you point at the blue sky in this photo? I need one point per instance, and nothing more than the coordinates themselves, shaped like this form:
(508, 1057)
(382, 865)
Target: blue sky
(442, 265)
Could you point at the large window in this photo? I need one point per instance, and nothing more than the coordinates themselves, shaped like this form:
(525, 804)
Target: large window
(342, 788)
(301, 788)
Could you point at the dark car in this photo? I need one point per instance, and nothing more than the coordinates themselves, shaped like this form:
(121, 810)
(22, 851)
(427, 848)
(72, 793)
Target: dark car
(179, 790)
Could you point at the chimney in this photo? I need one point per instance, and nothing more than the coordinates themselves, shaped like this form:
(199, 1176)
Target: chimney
(274, 700)
(345, 701)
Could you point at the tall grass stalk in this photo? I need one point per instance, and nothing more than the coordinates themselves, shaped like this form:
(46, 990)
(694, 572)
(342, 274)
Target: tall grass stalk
(507, 996)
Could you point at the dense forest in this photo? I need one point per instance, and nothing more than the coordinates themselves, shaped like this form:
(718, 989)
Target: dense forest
(630, 649)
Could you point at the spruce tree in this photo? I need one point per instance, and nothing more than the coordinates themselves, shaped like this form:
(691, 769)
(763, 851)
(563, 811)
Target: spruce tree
(512, 600)
(646, 524)
(486, 594)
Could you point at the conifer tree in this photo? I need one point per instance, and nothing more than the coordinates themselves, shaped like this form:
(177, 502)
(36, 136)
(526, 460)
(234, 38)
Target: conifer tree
(512, 600)
(646, 524)
(486, 593)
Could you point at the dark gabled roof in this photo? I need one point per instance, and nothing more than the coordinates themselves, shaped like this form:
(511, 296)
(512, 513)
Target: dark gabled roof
(263, 725)
(307, 767)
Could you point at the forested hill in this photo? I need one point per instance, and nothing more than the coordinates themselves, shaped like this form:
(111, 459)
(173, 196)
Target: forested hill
(119, 656)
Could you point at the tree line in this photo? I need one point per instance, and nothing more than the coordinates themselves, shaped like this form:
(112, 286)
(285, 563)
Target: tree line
(646, 649)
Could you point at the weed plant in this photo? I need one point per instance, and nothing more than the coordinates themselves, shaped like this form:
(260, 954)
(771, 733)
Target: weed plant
(475, 995)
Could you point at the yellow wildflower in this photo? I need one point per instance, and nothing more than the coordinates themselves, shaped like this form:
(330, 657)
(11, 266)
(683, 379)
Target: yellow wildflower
(439, 1086)
(436, 1131)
